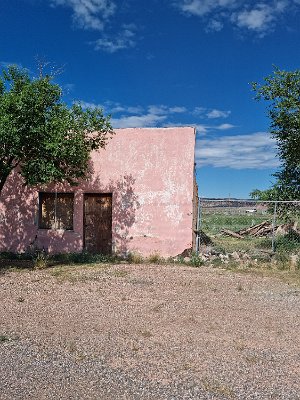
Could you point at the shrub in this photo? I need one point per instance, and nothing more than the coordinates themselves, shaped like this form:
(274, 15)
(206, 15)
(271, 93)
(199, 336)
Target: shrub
(282, 261)
(135, 258)
(40, 260)
(196, 261)
(288, 243)
(155, 258)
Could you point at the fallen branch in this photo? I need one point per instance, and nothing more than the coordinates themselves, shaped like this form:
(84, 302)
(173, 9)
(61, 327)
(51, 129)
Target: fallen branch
(231, 233)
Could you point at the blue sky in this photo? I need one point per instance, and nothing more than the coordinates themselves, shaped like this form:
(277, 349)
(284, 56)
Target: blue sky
(168, 62)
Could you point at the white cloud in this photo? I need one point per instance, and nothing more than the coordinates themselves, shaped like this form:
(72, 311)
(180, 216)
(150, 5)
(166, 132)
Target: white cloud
(86, 104)
(152, 115)
(117, 108)
(214, 25)
(88, 14)
(163, 109)
(158, 109)
(217, 114)
(113, 107)
(211, 113)
(133, 109)
(257, 150)
(125, 116)
(94, 15)
(202, 7)
(256, 19)
(259, 16)
(137, 121)
(200, 111)
(177, 110)
(201, 129)
(112, 43)
(224, 127)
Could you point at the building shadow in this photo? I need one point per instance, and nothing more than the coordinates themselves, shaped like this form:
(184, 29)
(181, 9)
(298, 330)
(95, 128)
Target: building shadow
(19, 213)
(124, 206)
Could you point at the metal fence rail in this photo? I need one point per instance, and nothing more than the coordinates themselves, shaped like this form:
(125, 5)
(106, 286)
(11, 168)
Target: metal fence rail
(242, 224)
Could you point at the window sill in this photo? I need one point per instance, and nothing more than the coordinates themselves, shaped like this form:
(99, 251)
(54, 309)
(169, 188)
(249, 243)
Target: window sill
(55, 230)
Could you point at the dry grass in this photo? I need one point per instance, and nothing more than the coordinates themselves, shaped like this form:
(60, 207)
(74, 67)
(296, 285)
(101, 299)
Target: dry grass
(266, 271)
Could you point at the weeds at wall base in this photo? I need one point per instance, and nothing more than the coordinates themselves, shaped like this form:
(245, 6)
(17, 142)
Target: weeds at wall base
(281, 260)
(135, 258)
(155, 258)
(40, 260)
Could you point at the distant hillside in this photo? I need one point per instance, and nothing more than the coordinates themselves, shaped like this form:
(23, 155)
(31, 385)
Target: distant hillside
(232, 202)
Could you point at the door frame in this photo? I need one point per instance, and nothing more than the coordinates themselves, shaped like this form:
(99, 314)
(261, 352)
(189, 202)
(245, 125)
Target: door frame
(95, 194)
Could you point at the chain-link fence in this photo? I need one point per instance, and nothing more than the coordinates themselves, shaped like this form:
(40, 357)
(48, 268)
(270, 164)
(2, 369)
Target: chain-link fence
(248, 225)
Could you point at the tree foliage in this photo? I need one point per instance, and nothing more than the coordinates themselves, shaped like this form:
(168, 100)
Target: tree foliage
(282, 92)
(40, 135)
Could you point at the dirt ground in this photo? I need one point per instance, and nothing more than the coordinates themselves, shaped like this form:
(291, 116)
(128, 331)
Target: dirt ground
(148, 332)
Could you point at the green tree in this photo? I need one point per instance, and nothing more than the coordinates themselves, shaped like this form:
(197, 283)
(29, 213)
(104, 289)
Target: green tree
(282, 92)
(40, 135)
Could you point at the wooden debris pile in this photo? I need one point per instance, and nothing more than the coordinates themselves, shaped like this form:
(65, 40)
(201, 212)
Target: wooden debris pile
(260, 230)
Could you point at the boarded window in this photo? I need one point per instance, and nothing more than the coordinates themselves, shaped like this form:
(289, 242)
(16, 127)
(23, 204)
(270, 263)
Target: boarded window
(56, 211)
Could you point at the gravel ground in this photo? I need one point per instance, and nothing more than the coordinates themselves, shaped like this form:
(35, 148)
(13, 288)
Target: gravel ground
(148, 332)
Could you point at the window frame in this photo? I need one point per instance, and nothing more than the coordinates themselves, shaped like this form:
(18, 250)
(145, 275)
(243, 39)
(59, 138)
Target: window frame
(55, 195)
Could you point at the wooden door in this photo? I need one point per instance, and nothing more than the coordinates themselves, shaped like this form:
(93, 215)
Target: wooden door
(98, 223)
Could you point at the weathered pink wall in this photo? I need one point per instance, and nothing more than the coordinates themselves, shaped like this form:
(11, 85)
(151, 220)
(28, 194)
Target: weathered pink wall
(149, 171)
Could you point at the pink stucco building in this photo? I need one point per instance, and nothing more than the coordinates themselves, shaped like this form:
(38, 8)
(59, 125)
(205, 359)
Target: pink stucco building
(140, 197)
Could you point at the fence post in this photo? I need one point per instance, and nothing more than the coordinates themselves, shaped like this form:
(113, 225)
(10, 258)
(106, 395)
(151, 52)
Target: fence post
(198, 228)
(274, 224)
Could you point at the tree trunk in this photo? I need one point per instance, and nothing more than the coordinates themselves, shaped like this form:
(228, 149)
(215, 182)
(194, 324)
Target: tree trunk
(3, 178)
(6, 166)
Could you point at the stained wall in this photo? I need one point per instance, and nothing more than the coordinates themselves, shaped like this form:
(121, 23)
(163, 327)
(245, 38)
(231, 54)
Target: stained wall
(150, 173)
